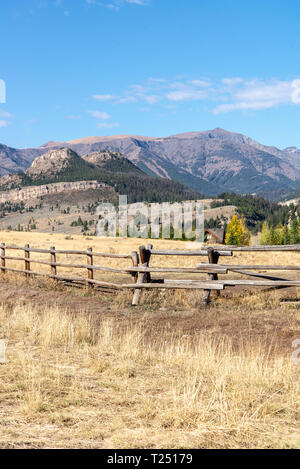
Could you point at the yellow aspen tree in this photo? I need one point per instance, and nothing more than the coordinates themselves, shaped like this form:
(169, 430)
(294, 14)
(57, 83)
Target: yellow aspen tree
(237, 233)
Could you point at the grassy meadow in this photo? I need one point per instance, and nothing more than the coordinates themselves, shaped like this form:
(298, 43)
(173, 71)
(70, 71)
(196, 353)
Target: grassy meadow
(86, 369)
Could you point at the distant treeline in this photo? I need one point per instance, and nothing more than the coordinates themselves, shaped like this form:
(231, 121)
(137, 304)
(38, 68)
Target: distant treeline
(281, 234)
(256, 210)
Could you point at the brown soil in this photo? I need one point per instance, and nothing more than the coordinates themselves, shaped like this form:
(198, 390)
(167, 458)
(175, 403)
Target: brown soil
(275, 324)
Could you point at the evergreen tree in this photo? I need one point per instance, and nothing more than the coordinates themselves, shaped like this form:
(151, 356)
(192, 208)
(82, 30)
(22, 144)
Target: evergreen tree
(281, 234)
(274, 236)
(286, 239)
(294, 231)
(265, 234)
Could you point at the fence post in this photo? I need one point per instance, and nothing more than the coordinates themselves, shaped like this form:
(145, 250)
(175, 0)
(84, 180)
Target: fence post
(135, 263)
(53, 260)
(148, 256)
(213, 257)
(142, 277)
(90, 271)
(2, 247)
(27, 261)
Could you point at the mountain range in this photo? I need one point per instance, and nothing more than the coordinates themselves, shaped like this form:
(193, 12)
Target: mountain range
(112, 170)
(208, 162)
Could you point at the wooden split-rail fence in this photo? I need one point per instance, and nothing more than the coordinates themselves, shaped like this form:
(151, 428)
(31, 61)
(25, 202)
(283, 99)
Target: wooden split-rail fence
(140, 269)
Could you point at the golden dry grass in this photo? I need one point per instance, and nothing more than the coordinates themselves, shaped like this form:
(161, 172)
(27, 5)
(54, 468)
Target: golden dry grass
(126, 246)
(111, 382)
(68, 383)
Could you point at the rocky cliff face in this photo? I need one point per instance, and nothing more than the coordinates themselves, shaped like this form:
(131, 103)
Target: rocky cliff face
(10, 181)
(292, 155)
(52, 163)
(33, 192)
(54, 166)
(100, 158)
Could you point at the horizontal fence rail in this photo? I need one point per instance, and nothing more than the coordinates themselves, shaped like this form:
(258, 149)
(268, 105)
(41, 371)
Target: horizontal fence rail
(205, 269)
(202, 252)
(181, 285)
(68, 251)
(273, 248)
(53, 264)
(252, 267)
(140, 270)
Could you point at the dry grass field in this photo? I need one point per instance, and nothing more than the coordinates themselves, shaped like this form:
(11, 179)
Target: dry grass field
(86, 369)
(58, 211)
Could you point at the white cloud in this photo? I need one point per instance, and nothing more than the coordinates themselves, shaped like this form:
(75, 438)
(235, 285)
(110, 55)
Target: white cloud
(99, 115)
(128, 99)
(151, 99)
(140, 89)
(114, 98)
(186, 95)
(2, 91)
(232, 81)
(226, 95)
(156, 80)
(144, 93)
(255, 105)
(260, 91)
(103, 116)
(117, 4)
(188, 90)
(106, 125)
(200, 83)
(74, 117)
(155, 90)
(5, 114)
(104, 97)
(138, 2)
(296, 91)
(259, 94)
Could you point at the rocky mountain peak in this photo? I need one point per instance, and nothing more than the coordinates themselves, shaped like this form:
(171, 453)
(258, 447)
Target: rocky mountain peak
(52, 162)
(99, 158)
(51, 143)
(292, 150)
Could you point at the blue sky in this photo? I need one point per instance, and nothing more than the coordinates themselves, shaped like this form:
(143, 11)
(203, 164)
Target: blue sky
(76, 68)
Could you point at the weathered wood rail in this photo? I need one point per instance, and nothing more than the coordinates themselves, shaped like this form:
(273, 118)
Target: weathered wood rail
(215, 252)
(140, 270)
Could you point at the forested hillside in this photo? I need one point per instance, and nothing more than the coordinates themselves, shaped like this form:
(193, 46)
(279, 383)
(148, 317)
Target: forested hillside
(64, 165)
(256, 210)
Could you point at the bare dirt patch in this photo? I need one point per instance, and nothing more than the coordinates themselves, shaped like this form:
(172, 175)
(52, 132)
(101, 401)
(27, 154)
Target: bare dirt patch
(239, 314)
